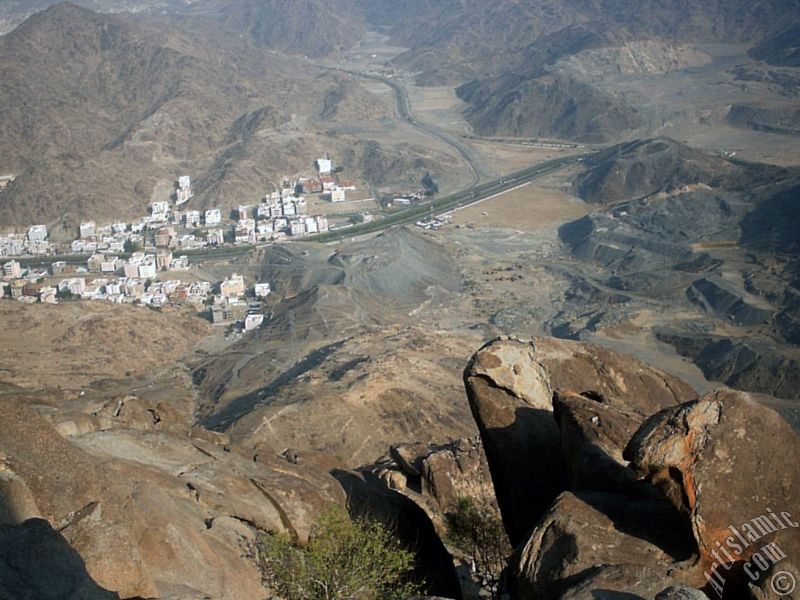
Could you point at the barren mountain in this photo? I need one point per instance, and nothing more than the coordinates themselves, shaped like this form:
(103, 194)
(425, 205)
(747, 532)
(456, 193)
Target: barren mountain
(783, 50)
(120, 108)
(642, 168)
(546, 105)
(311, 27)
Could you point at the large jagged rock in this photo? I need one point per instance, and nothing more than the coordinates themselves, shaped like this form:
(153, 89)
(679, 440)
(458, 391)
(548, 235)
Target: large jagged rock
(152, 513)
(583, 530)
(509, 394)
(509, 385)
(730, 465)
(594, 432)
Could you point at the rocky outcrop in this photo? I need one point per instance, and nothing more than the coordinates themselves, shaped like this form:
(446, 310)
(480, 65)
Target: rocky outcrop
(509, 393)
(509, 386)
(594, 431)
(663, 494)
(583, 530)
(152, 513)
(37, 563)
(721, 447)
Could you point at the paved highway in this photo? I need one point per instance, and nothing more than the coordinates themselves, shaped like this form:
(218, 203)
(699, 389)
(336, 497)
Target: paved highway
(446, 204)
(412, 214)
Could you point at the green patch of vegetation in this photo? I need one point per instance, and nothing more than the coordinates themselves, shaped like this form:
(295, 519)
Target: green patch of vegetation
(344, 559)
(476, 529)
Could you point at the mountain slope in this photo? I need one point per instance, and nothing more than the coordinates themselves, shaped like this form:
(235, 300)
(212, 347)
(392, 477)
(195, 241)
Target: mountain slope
(547, 105)
(117, 109)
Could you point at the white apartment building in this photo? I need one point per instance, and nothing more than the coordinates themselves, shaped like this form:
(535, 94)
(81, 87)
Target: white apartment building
(338, 195)
(324, 166)
(213, 217)
(87, 229)
(192, 218)
(37, 233)
(12, 269)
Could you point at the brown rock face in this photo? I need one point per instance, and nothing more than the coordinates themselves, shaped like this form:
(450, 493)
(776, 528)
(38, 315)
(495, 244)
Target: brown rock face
(586, 529)
(509, 394)
(36, 562)
(594, 432)
(730, 465)
(628, 582)
(509, 385)
(151, 513)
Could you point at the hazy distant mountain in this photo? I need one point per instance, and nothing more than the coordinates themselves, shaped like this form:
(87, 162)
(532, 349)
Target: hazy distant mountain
(783, 50)
(504, 45)
(14, 12)
(310, 27)
(479, 32)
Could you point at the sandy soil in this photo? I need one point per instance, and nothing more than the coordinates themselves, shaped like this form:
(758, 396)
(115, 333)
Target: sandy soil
(71, 344)
(358, 201)
(529, 208)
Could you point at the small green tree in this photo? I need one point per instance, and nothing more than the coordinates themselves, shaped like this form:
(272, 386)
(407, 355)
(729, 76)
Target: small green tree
(476, 529)
(344, 559)
(130, 246)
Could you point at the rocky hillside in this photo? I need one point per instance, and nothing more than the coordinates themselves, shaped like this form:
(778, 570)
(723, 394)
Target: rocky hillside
(644, 167)
(137, 102)
(500, 49)
(783, 50)
(119, 102)
(688, 226)
(308, 27)
(608, 474)
(545, 105)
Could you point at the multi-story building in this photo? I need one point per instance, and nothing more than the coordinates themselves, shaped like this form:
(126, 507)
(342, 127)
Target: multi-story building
(37, 233)
(12, 269)
(88, 229)
(213, 217)
(324, 166)
(232, 287)
(262, 290)
(192, 218)
(338, 195)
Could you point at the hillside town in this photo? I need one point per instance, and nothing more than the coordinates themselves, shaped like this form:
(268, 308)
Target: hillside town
(278, 215)
(146, 262)
(140, 262)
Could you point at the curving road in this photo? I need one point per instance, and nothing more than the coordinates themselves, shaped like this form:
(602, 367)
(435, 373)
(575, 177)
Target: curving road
(404, 110)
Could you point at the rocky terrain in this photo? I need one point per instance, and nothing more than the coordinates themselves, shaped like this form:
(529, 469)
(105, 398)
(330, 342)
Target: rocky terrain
(640, 395)
(609, 475)
(545, 106)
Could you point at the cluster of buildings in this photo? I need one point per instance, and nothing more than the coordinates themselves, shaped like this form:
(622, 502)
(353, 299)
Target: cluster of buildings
(435, 223)
(119, 281)
(132, 282)
(279, 214)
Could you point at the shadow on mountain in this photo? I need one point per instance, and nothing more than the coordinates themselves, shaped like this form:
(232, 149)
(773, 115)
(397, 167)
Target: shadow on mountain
(37, 563)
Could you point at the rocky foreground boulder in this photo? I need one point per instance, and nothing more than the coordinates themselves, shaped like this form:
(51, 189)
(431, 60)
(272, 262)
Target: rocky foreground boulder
(614, 480)
(510, 387)
(649, 492)
(155, 513)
